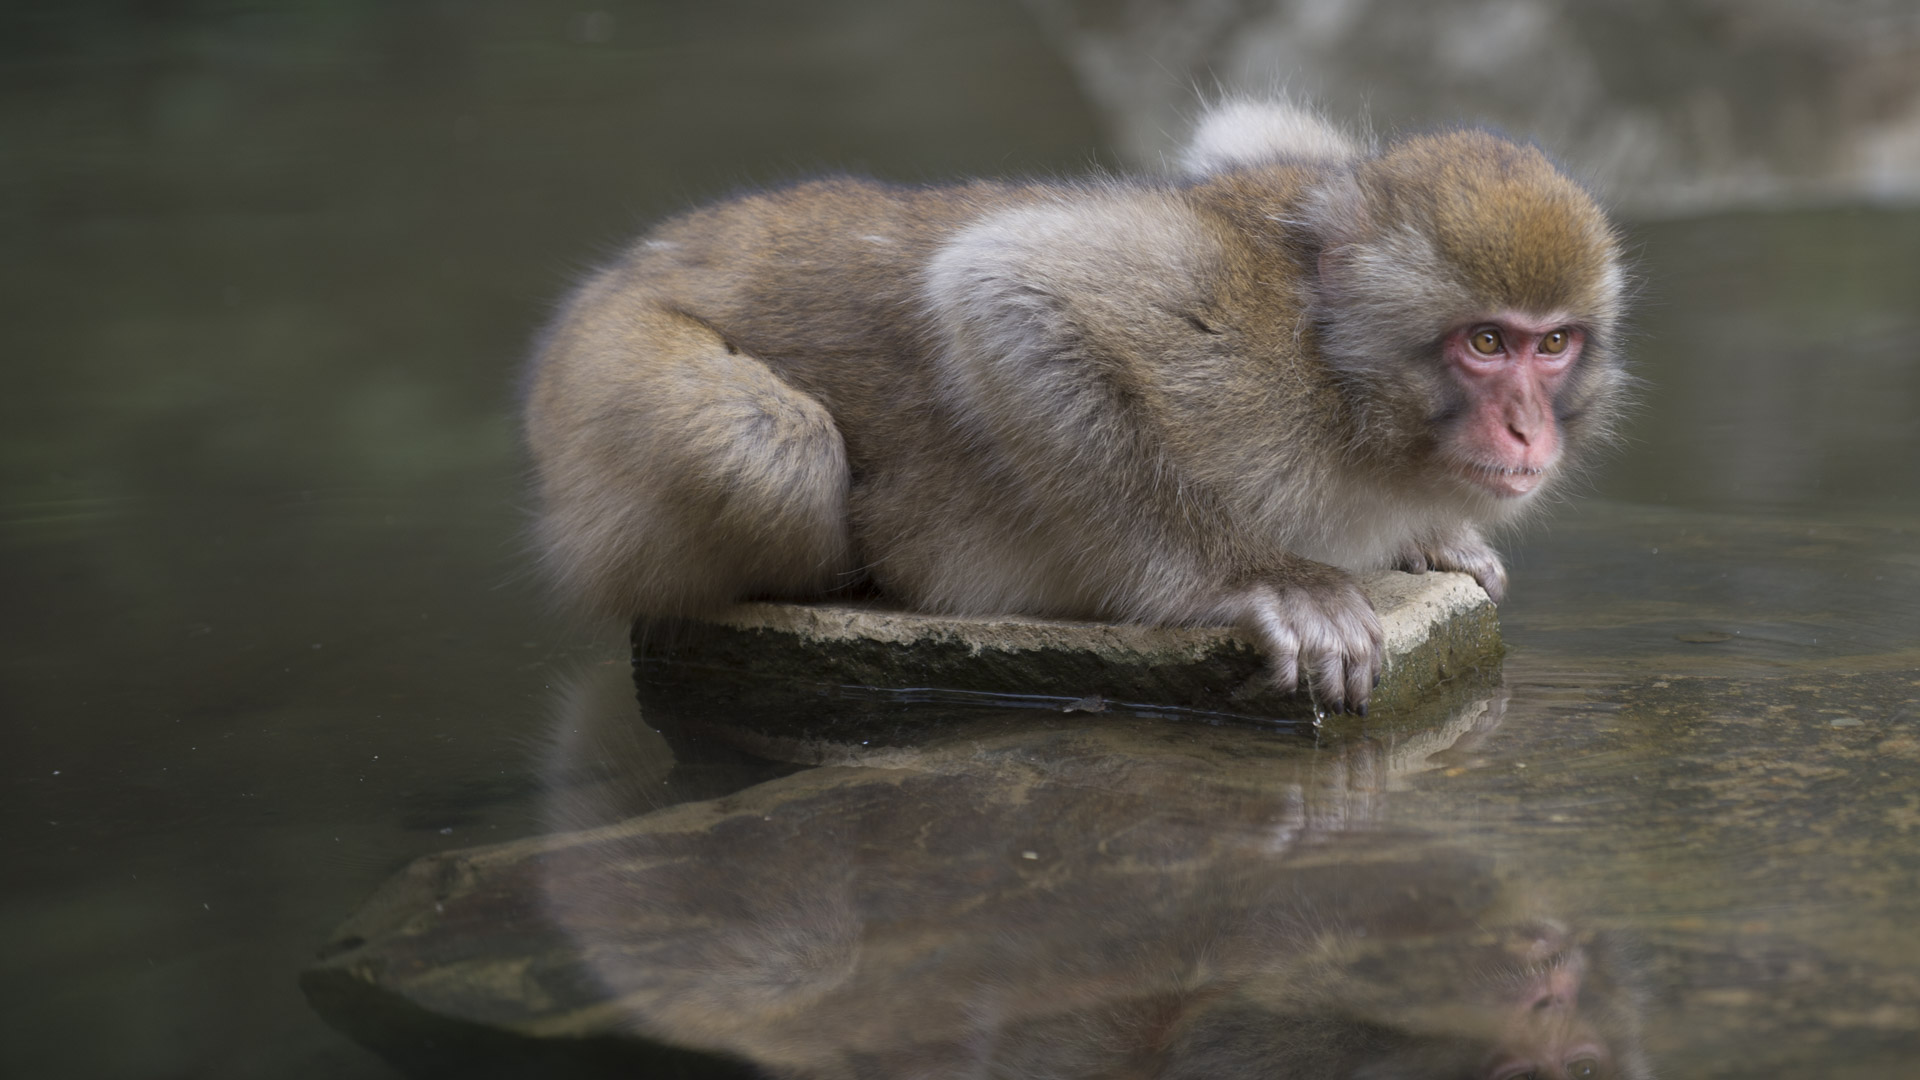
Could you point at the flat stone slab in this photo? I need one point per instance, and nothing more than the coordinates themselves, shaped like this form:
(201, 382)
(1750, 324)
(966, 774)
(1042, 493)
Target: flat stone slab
(1439, 626)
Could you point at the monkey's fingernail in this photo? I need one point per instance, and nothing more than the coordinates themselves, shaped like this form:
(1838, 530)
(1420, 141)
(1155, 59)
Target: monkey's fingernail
(1376, 680)
(1362, 710)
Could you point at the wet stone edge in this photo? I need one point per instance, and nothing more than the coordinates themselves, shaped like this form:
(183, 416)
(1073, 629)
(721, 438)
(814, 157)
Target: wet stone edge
(1437, 632)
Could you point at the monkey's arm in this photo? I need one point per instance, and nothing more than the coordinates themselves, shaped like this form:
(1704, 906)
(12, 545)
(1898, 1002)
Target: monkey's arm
(1066, 332)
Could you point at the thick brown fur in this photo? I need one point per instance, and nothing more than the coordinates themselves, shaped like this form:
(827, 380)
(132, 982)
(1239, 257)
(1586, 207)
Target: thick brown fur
(1196, 400)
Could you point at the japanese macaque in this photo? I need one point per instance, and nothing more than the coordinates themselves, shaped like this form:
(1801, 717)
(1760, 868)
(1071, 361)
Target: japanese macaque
(1204, 399)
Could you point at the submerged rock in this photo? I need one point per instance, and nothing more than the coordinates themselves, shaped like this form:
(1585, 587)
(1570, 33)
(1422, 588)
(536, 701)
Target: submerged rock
(1079, 897)
(1438, 628)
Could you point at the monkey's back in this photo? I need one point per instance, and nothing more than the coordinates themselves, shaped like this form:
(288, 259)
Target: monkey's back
(821, 281)
(829, 286)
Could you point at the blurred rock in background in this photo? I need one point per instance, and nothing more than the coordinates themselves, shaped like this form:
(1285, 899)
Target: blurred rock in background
(1665, 107)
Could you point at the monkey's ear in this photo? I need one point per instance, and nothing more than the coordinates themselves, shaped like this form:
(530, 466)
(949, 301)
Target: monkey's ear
(1235, 134)
(1335, 217)
(1379, 286)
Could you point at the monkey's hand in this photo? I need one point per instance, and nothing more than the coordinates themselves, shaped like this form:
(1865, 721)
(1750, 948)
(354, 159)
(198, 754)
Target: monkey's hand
(1465, 552)
(1320, 626)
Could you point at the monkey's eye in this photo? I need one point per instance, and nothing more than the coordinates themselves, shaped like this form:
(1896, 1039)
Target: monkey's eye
(1555, 343)
(1485, 341)
(1583, 1069)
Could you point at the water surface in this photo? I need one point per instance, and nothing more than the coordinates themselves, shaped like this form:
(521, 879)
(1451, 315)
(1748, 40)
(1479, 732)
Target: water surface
(270, 634)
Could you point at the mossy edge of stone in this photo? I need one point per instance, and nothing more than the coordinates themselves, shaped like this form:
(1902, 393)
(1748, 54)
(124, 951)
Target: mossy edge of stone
(1438, 627)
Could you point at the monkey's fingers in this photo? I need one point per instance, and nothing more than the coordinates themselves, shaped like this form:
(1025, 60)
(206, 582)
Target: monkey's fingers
(1259, 610)
(1486, 569)
(1341, 636)
(1361, 646)
(1283, 645)
(1494, 581)
(1476, 557)
(1413, 561)
(1364, 673)
(1332, 689)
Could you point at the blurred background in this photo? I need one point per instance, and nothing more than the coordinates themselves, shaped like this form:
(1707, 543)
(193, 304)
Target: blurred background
(1667, 108)
(268, 271)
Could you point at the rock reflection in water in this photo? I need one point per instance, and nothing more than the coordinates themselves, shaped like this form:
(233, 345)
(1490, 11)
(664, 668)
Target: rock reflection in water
(1071, 897)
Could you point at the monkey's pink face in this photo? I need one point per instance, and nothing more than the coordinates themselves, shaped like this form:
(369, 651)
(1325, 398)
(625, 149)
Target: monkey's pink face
(1511, 367)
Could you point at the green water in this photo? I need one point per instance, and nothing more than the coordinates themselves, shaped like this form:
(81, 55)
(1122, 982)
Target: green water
(268, 631)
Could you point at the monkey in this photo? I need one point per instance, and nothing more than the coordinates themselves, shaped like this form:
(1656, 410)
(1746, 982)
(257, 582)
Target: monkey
(1200, 398)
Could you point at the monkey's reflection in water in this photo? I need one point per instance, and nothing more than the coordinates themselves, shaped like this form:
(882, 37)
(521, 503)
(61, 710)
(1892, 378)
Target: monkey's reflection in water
(1097, 899)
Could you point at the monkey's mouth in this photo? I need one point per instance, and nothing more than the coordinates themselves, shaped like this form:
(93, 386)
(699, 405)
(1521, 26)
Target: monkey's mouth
(1506, 481)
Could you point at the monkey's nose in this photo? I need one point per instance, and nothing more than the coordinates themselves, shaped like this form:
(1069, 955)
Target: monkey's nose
(1532, 438)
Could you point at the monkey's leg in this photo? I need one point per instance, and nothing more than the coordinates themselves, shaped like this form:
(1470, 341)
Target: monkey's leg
(678, 473)
(1465, 551)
